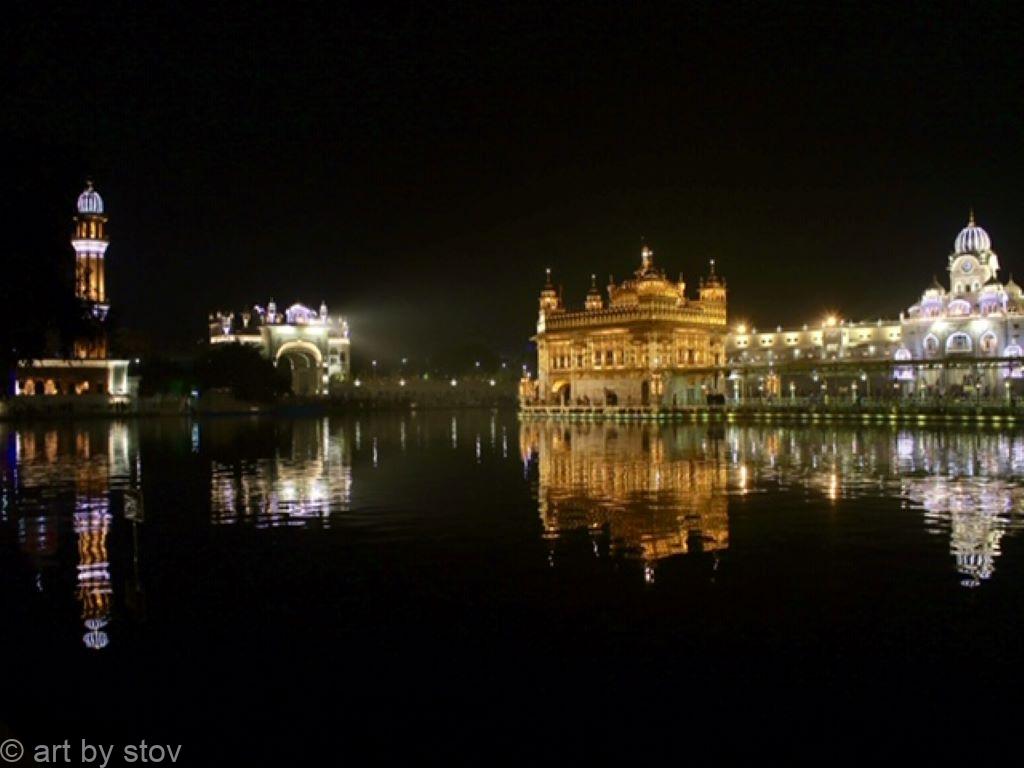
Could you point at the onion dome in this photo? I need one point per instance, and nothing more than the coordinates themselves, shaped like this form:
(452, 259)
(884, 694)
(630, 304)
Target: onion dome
(90, 201)
(1012, 287)
(972, 238)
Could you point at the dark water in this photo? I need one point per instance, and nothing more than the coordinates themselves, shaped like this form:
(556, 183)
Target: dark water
(261, 589)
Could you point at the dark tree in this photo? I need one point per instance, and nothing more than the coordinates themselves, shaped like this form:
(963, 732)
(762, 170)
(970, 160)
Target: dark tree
(241, 369)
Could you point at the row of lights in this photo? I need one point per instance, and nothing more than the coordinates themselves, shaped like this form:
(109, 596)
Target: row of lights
(405, 360)
(402, 382)
(829, 321)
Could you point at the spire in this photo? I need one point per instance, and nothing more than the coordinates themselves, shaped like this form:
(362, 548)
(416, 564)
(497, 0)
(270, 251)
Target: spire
(547, 281)
(711, 266)
(970, 217)
(593, 300)
(646, 257)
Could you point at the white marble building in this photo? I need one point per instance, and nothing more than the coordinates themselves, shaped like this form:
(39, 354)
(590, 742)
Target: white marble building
(955, 341)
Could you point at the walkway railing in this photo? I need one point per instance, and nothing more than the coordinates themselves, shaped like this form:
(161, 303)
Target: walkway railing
(806, 408)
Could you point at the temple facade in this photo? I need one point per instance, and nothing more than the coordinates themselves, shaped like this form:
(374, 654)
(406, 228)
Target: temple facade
(89, 370)
(648, 345)
(956, 341)
(313, 345)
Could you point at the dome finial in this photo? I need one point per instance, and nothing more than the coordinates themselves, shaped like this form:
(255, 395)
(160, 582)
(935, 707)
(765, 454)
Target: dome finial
(970, 217)
(646, 256)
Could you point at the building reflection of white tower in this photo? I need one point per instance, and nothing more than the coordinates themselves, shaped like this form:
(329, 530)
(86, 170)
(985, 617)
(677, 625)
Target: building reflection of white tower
(969, 493)
(92, 525)
(976, 516)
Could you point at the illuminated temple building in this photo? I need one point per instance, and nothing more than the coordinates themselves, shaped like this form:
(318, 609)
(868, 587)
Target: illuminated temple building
(313, 345)
(964, 340)
(649, 345)
(89, 370)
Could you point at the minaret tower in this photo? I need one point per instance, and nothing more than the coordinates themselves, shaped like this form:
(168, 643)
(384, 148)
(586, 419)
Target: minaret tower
(90, 243)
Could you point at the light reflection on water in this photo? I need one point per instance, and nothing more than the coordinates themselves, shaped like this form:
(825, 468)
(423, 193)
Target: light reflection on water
(309, 479)
(635, 490)
(658, 491)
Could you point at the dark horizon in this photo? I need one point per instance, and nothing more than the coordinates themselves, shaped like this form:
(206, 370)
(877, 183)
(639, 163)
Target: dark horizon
(419, 168)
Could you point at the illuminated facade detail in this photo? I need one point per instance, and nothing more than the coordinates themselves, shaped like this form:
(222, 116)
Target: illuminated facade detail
(313, 345)
(964, 339)
(651, 346)
(90, 370)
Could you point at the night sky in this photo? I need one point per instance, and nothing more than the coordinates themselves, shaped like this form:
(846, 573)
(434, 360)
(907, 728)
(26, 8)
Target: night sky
(418, 165)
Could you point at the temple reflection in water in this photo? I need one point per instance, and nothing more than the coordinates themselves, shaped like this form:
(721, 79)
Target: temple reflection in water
(303, 476)
(706, 494)
(655, 492)
(664, 490)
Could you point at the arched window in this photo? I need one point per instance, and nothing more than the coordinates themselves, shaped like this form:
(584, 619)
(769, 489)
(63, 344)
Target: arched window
(1012, 350)
(931, 344)
(959, 308)
(958, 343)
(904, 354)
(987, 343)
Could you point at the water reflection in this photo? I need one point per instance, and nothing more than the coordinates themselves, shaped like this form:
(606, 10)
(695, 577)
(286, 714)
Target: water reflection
(306, 478)
(654, 493)
(74, 498)
(657, 491)
(52, 470)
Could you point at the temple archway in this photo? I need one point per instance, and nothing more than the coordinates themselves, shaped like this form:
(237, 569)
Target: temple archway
(302, 360)
(562, 392)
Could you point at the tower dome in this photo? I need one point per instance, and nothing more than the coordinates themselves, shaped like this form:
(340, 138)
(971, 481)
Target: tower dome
(972, 238)
(90, 201)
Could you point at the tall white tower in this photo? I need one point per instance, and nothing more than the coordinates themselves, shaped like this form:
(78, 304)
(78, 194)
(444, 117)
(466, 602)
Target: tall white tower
(90, 243)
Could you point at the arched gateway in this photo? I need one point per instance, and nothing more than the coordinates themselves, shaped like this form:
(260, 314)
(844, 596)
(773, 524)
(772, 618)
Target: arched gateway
(312, 346)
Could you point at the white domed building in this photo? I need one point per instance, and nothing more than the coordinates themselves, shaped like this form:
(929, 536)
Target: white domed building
(960, 341)
(977, 318)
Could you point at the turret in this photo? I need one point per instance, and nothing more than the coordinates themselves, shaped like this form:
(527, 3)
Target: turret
(549, 301)
(712, 292)
(712, 287)
(594, 301)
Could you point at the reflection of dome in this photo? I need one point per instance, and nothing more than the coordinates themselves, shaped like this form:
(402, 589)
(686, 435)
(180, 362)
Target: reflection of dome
(972, 239)
(96, 640)
(90, 201)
